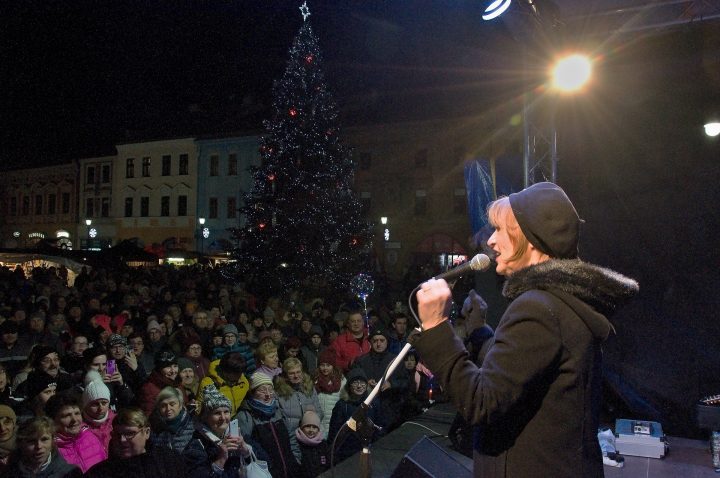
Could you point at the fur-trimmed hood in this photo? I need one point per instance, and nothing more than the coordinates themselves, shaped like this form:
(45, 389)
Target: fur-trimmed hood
(603, 289)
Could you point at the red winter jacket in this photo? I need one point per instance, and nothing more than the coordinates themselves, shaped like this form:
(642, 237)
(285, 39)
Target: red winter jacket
(151, 389)
(83, 450)
(347, 348)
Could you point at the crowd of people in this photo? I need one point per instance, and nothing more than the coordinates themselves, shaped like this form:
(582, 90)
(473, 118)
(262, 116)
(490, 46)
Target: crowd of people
(180, 372)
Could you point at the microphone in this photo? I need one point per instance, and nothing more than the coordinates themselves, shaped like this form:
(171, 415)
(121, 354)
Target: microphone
(479, 263)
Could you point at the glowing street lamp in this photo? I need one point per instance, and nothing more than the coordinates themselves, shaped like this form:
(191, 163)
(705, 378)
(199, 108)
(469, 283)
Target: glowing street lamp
(88, 223)
(201, 220)
(571, 73)
(712, 128)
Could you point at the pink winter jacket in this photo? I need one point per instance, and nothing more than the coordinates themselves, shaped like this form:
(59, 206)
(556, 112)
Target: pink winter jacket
(83, 450)
(101, 430)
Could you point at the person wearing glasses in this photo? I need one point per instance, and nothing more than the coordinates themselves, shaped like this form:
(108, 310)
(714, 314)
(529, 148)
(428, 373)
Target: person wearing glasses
(131, 453)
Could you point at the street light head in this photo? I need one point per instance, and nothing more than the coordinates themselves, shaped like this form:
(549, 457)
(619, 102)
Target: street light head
(571, 73)
(201, 220)
(712, 128)
(88, 222)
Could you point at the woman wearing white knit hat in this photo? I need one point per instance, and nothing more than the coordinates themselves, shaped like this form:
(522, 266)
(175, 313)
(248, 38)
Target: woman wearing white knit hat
(96, 410)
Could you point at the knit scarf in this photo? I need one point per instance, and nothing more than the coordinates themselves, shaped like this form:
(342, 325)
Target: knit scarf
(266, 410)
(173, 424)
(328, 383)
(305, 440)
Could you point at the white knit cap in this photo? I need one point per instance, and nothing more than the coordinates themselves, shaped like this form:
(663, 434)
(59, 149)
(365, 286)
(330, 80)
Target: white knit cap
(92, 376)
(95, 391)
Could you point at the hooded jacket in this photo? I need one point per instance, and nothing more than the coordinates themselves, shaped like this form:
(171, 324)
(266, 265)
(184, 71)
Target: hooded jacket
(234, 392)
(536, 398)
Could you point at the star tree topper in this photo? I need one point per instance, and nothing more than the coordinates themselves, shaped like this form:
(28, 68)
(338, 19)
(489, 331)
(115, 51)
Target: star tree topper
(304, 11)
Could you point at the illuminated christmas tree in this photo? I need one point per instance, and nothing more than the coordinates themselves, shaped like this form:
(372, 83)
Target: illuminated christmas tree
(304, 226)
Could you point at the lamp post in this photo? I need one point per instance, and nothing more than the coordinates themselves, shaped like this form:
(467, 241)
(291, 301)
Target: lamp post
(201, 220)
(88, 223)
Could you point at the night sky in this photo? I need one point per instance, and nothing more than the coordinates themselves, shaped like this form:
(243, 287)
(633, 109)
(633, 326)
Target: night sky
(79, 76)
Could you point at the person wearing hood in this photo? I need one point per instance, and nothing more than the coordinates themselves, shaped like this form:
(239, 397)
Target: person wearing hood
(37, 455)
(228, 376)
(536, 397)
(8, 423)
(164, 375)
(351, 397)
(75, 442)
(263, 427)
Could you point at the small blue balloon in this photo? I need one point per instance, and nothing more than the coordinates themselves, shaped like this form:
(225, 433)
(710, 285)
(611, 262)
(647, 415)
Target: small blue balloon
(362, 286)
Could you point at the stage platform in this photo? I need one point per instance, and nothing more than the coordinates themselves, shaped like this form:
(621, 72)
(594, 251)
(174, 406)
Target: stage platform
(685, 459)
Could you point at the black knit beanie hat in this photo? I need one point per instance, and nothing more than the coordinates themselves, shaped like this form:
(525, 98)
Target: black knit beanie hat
(548, 219)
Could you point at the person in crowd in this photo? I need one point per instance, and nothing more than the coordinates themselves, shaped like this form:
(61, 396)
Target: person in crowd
(75, 442)
(228, 376)
(262, 426)
(374, 364)
(296, 394)
(132, 456)
(397, 337)
(46, 361)
(311, 349)
(38, 390)
(536, 395)
(267, 359)
(303, 330)
(213, 451)
(156, 341)
(231, 343)
(120, 393)
(37, 333)
(171, 424)
(73, 361)
(217, 338)
(193, 351)
(14, 351)
(314, 449)
(278, 335)
(352, 343)
(292, 349)
(188, 382)
(165, 374)
(96, 412)
(131, 370)
(136, 343)
(6, 392)
(36, 455)
(351, 396)
(254, 328)
(328, 380)
(8, 424)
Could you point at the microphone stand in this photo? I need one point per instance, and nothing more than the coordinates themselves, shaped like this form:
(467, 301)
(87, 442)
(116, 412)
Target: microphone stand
(360, 422)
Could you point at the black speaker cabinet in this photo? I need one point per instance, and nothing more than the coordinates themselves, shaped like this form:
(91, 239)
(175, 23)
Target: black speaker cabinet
(428, 460)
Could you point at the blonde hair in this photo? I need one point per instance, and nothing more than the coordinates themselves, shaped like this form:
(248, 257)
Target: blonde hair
(283, 387)
(264, 349)
(500, 213)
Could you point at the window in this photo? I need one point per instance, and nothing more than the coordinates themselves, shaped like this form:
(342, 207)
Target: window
(89, 207)
(105, 173)
(26, 205)
(182, 206)
(51, 204)
(128, 207)
(365, 203)
(459, 201)
(183, 166)
(38, 204)
(214, 165)
(365, 161)
(420, 202)
(232, 165)
(165, 206)
(146, 167)
(13, 206)
(105, 207)
(166, 164)
(130, 168)
(90, 179)
(213, 208)
(421, 158)
(65, 203)
(144, 206)
(231, 208)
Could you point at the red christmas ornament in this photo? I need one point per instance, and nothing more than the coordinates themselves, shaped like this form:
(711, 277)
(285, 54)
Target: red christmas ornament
(309, 59)
(271, 177)
(293, 112)
(261, 226)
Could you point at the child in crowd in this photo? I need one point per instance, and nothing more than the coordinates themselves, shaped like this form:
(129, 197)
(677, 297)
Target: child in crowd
(313, 447)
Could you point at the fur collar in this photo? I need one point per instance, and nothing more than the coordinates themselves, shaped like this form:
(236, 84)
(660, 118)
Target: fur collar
(603, 289)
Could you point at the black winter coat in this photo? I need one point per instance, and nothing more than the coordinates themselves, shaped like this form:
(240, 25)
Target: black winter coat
(536, 397)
